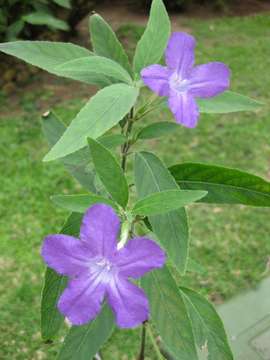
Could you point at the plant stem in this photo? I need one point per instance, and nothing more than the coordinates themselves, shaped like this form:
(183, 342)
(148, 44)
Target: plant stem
(142, 350)
(154, 343)
(126, 146)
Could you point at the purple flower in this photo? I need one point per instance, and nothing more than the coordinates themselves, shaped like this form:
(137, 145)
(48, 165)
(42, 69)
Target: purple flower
(182, 82)
(98, 270)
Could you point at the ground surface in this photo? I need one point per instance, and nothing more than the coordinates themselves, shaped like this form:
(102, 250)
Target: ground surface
(231, 243)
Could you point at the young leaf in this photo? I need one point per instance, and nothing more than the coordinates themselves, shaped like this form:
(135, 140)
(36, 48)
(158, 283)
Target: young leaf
(44, 54)
(87, 69)
(152, 44)
(228, 102)
(78, 163)
(43, 18)
(224, 185)
(151, 176)
(165, 201)
(109, 172)
(83, 342)
(169, 314)
(105, 42)
(101, 113)
(51, 319)
(156, 130)
(80, 203)
(207, 326)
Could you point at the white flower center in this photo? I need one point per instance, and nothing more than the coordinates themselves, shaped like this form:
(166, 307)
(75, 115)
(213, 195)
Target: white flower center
(104, 264)
(103, 269)
(178, 84)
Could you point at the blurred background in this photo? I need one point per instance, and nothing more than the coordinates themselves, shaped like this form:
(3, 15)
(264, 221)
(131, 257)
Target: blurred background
(231, 244)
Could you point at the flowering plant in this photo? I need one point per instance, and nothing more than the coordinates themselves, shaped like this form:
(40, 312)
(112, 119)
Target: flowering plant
(108, 240)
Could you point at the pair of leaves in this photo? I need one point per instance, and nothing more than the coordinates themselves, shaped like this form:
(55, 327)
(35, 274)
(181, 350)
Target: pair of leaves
(157, 203)
(184, 319)
(224, 185)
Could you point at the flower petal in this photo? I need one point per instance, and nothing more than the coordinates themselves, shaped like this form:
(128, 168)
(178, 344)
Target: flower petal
(156, 78)
(65, 254)
(180, 53)
(128, 302)
(139, 256)
(209, 79)
(184, 108)
(82, 299)
(99, 229)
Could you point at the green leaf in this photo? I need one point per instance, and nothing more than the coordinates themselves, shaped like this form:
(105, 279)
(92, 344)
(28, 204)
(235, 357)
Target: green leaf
(165, 201)
(51, 319)
(151, 176)
(109, 172)
(105, 42)
(169, 314)
(43, 18)
(87, 69)
(228, 102)
(64, 3)
(152, 44)
(101, 113)
(195, 267)
(112, 141)
(44, 54)
(207, 326)
(80, 203)
(83, 342)
(156, 130)
(224, 185)
(78, 163)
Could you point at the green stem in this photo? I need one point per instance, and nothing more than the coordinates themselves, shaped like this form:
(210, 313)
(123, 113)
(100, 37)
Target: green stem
(154, 343)
(142, 350)
(126, 146)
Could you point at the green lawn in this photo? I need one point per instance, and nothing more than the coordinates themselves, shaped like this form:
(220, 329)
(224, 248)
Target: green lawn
(231, 243)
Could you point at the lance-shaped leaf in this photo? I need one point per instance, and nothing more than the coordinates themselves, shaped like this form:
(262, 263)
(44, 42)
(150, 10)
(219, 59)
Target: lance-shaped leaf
(101, 113)
(152, 44)
(109, 172)
(83, 342)
(47, 19)
(80, 203)
(44, 54)
(228, 102)
(51, 319)
(48, 55)
(87, 69)
(169, 314)
(207, 326)
(78, 163)
(151, 176)
(105, 42)
(157, 130)
(224, 185)
(165, 201)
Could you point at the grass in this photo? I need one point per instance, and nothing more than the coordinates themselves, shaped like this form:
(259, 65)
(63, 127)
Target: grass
(232, 243)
